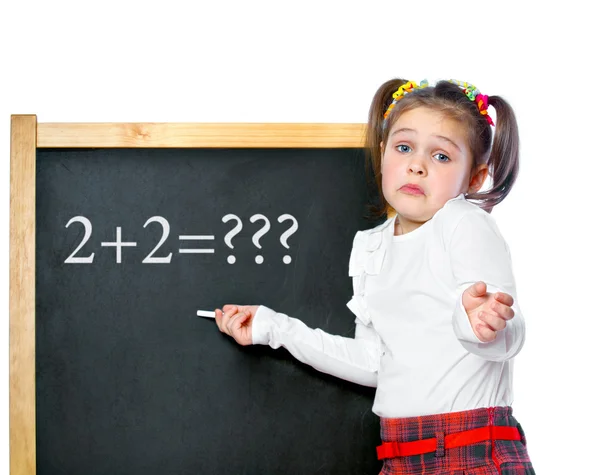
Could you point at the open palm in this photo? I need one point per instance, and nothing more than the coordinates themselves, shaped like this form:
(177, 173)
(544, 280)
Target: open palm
(487, 313)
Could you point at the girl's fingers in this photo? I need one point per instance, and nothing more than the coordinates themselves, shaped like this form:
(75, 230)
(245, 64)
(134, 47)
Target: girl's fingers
(236, 329)
(506, 312)
(223, 321)
(231, 323)
(232, 320)
(236, 321)
(504, 298)
(494, 322)
(485, 333)
(502, 310)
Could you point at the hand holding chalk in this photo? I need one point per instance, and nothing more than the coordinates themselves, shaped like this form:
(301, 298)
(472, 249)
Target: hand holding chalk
(236, 321)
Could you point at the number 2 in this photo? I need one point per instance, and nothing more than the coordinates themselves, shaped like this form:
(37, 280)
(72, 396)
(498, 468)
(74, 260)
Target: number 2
(166, 228)
(88, 232)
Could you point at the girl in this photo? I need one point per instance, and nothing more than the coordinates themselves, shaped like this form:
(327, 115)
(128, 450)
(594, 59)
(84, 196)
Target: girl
(437, 322)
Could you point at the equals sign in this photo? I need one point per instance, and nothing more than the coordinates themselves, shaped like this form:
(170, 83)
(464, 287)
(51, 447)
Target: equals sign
(196, 238)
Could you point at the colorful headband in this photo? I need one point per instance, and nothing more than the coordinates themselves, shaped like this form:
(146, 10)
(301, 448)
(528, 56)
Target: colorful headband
(470, 91)
(473, 93)
(410, 86)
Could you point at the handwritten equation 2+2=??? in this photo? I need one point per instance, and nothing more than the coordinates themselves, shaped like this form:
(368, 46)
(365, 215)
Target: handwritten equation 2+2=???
(118, 244)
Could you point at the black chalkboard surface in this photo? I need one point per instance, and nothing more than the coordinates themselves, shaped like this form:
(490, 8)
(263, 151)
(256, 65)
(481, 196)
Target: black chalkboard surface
(128, 379)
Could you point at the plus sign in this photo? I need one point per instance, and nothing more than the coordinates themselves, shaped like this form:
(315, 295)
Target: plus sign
(118, 244)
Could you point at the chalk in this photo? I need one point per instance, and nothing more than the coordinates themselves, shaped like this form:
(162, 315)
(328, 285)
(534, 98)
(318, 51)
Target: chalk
(204, 313)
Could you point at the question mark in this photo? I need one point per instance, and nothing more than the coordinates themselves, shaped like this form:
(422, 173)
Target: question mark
(260, 233)
(292, 229)
(229, 236)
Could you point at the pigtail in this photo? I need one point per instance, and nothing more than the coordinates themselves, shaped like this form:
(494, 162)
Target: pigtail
(374, 136)
(503, 162)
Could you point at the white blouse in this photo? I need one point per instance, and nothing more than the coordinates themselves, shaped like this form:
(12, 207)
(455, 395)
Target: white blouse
(413, 339)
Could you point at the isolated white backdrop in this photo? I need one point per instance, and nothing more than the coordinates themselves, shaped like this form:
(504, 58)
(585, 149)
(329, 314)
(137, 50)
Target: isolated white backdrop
(141, 61)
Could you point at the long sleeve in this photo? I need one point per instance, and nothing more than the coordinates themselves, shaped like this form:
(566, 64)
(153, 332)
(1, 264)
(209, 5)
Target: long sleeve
(352, 359)
(478, 252)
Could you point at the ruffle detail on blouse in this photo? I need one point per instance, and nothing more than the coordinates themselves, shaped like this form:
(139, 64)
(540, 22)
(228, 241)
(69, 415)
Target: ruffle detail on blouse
(359, 308)
(367, 254)
(367, 257)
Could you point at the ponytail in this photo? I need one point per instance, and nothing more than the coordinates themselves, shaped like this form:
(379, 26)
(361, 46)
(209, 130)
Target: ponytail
(503, 162)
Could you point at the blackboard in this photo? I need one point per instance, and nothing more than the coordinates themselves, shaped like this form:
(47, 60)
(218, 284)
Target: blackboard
(128, 379)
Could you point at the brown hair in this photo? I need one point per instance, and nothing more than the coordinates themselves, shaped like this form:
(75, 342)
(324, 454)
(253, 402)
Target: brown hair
(501, 156)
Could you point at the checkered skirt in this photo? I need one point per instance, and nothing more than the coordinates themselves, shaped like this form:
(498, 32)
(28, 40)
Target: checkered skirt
(505, 457)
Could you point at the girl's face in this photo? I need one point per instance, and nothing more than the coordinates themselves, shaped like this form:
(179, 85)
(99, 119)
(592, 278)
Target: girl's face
(428, 150)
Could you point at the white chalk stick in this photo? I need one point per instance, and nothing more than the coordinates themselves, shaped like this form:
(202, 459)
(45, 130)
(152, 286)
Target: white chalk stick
(204, 313)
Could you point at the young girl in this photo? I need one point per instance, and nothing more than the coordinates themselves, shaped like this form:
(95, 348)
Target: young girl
(437, 322)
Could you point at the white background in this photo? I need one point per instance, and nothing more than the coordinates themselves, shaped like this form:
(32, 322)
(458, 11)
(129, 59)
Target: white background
(142, 61)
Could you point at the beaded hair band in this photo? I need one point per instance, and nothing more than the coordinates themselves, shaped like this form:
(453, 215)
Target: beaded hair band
(407, 87)
(480, 99)
(470, 91)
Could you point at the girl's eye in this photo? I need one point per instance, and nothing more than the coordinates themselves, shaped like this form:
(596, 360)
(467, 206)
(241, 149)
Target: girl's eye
(403, 148)
(443, 159)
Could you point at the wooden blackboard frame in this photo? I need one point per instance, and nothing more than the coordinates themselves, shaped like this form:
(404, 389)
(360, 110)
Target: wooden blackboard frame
(27, 135)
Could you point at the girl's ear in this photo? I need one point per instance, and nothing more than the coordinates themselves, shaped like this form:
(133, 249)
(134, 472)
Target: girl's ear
(381, 149)
(478, 176)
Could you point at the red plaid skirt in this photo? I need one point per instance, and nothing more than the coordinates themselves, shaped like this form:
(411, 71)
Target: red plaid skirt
(505, 457)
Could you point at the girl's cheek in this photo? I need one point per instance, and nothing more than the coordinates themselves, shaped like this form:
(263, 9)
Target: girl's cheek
(386, 172)
(384, 185)
(383, 178)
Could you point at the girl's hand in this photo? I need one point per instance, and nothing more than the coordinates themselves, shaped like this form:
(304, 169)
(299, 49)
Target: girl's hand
(487, 313)
(237, 322)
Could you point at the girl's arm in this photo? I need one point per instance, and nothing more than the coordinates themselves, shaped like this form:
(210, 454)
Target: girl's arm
(352, 359)
(478, 252)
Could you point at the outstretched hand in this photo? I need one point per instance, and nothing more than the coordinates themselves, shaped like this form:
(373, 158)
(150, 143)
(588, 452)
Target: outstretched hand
(237, 322)
(487, 313)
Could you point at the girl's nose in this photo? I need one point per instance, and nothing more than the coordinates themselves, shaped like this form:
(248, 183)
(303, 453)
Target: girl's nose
(415, 165)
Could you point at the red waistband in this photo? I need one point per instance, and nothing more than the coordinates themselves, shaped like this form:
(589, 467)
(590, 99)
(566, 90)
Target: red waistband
(450, 441)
